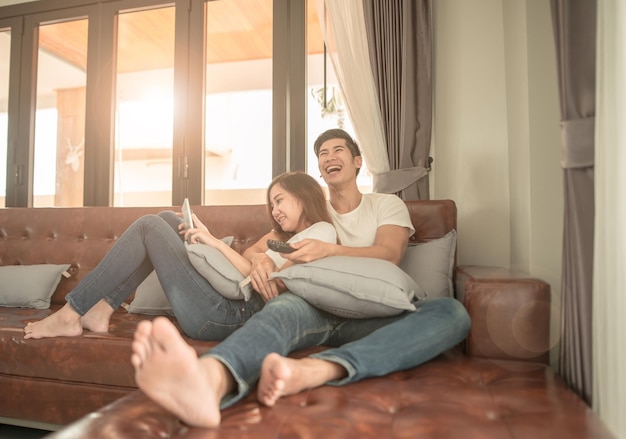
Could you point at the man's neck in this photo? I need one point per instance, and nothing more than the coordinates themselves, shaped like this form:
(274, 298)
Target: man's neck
(344, 199)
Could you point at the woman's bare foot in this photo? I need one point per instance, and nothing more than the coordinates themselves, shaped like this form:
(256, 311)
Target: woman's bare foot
(282, 376)
(169, 371)
(97, 318)
(63, 323)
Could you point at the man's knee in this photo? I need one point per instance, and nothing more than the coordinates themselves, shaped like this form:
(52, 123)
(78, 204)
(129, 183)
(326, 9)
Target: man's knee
(457, 315)
(288, 304)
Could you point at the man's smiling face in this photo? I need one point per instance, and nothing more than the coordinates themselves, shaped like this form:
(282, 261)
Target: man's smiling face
(336, 162)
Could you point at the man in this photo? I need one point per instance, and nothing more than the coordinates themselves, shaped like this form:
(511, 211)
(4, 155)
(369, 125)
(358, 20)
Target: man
(368, 225)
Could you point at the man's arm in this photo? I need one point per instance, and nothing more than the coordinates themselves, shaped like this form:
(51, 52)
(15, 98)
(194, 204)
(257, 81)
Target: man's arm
(389, 244)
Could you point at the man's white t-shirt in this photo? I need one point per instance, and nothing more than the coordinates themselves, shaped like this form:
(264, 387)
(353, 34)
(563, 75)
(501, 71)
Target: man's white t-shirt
(358, 227)
(321, 230)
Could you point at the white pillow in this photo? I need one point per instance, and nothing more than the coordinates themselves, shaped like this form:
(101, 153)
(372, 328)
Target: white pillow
(29, 286)
(352, 287)
(150, 298)
(219, 271)
(431, 265)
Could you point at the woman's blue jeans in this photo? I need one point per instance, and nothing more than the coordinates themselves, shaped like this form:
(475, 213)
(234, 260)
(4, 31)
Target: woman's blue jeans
(364, 347)
(153, 243)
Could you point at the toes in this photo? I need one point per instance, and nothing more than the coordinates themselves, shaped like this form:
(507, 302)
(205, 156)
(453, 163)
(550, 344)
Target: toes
(136, 361)
(144, 328)
(140, 353)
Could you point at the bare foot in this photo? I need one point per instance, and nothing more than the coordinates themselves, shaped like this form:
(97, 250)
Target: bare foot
(97, 318)
(63, 323)
(282, 376)
(169, 371)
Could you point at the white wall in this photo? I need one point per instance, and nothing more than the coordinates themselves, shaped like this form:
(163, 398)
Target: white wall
(497, 136)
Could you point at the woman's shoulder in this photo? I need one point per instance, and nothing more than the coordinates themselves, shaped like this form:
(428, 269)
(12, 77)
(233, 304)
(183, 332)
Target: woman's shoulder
(321, 225)
(321, 230)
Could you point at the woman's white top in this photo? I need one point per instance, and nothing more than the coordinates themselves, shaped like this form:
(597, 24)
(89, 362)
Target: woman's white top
(321, 230)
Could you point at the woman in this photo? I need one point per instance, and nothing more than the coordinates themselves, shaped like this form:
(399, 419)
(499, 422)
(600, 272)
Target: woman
(297, 209)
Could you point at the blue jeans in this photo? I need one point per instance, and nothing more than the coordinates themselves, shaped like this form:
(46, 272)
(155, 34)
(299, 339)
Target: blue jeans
(364, 347)
(153, 243)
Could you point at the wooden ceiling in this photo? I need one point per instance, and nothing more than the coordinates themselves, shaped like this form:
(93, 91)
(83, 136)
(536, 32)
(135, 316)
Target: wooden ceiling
(237, 30)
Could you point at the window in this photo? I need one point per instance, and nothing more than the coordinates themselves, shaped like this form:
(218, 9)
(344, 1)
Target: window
(238, 106)
(325, 104)
(145, 102)
(60, 116)
(144, 108)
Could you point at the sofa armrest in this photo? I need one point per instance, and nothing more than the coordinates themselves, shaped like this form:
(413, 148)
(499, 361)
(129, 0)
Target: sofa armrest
(510, 313)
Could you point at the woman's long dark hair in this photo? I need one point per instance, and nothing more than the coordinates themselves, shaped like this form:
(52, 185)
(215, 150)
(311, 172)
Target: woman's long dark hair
(308, 191)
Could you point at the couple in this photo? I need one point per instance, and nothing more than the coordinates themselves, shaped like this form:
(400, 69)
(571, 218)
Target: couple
(195, 389)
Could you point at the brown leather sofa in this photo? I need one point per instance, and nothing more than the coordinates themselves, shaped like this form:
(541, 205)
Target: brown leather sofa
(497, 385)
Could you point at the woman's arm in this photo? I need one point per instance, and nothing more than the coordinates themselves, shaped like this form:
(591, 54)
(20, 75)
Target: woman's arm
(201, 235)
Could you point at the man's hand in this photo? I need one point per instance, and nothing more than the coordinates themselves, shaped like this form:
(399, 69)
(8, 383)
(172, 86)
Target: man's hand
(309, 250)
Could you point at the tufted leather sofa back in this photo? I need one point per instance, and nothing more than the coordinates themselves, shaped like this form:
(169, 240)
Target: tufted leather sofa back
(81, 236)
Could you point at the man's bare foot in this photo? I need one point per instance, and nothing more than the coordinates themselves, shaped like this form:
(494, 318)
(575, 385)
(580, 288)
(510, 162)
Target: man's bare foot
(283, 376)
(97, 318)
(169, 371)
(63, 323)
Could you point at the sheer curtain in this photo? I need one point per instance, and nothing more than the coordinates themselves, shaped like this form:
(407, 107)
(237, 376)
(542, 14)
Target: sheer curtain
(609, 285)
(343, 27)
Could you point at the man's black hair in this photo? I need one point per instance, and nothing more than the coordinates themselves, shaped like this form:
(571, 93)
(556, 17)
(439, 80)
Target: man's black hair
(337, 133)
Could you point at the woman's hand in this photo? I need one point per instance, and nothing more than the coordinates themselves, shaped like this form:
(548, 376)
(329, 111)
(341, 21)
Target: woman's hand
(196, 222)
(262, 267)
(199, 234)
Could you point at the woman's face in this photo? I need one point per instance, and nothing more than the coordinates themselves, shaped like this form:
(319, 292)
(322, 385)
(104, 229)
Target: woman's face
(287, 210)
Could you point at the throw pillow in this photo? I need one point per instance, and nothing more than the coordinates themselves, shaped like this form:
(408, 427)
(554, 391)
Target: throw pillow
(352, 287)
(150, 298)
(219, 271)
(431, 265)
(29, 286)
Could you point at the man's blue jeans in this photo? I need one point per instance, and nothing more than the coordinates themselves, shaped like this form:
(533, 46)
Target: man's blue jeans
(153, 242)
(364, 347)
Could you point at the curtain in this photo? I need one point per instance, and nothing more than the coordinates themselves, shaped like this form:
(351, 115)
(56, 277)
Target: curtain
(343, 27)
(400, 50)
(609, 278)
(574, 23)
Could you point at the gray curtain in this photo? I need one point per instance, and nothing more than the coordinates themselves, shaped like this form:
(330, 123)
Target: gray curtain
(574, 23)
(400, 44)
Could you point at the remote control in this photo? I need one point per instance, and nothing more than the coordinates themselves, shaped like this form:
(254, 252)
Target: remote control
(279, 246)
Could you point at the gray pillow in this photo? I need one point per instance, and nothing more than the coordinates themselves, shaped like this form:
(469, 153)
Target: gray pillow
(29, 286)
(352, 287)
(219, 271)
(431, 264)
(150, 298)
